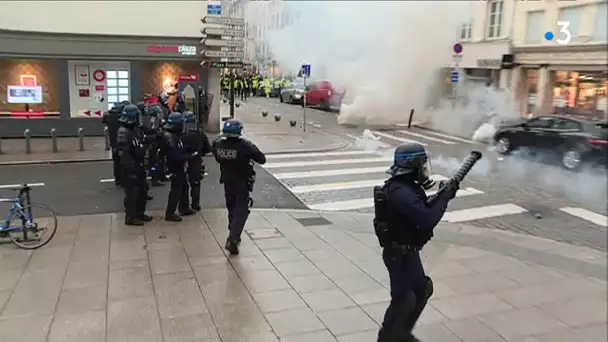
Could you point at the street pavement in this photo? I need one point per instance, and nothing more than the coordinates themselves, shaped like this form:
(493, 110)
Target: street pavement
(301, 276)
(88, 188)
(503, 193)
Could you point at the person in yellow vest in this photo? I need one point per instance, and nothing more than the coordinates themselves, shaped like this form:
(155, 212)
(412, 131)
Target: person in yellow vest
(277, 86)
(267, 86)
(286, 82)
(226, 86)
(246, 89)
(237, 87)
(255, 80)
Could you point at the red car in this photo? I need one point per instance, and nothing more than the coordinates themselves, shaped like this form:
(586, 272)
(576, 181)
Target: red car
(323, 94)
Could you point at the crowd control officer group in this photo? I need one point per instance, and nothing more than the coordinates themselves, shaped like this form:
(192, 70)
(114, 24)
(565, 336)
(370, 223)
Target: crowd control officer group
(177, 157)
(404, 222)
(131, 154)
(236, 155)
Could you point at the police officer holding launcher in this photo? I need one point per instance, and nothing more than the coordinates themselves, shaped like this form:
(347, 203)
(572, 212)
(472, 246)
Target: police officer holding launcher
(177, 157)
(110, 119)
(404, 223)
(235, 156)
(131, 152)
(197, 144)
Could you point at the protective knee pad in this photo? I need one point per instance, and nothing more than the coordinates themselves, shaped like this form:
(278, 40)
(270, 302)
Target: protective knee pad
(428, 289)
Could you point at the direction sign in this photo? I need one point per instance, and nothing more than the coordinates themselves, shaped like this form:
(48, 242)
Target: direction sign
(214, 8)
(221, 65)
(223, 32)
(223, 21)
(223, 54)
(222, 43)
(454, 76)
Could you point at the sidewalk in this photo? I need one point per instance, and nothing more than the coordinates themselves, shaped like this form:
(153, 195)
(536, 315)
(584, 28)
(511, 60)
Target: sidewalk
(13, 151)
(301, 276)
(279, 137)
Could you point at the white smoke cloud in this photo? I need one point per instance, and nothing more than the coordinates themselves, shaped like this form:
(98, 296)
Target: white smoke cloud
(386, 54)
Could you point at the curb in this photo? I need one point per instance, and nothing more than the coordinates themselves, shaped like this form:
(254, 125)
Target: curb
(54, 161)
(312, 150)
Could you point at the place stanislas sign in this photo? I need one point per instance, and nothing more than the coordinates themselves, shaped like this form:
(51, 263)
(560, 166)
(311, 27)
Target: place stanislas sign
(181, 50)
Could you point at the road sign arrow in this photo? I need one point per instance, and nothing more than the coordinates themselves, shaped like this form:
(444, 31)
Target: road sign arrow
(223, 21)
(223, 54)
(219, 42)
(221, 65)
(223, 32)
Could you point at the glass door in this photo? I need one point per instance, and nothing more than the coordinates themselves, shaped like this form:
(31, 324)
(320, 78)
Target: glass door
(118, 86)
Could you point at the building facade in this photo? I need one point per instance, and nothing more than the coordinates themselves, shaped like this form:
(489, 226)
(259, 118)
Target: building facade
(485, 38)
(83, 59)
(567, 73)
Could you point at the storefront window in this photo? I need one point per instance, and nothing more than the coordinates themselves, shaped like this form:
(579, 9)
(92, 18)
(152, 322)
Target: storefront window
(118, 86)
(531, 89)
(29, 88)
(580, 94)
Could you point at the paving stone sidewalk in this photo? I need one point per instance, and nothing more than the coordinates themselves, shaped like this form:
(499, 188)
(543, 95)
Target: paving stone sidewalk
(301, 276)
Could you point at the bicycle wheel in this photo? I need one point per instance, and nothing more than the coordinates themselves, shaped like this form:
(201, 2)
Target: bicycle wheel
(37, 232)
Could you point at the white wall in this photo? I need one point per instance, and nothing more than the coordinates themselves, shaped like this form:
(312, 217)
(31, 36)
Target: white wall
(94, 102)
(140, 18)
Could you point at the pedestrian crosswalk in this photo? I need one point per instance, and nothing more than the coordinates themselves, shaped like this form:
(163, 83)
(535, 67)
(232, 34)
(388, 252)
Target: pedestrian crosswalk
(420, 136)
(343, 181)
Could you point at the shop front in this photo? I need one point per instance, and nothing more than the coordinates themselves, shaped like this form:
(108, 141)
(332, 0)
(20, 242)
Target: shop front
(66, 82)
(566, 81)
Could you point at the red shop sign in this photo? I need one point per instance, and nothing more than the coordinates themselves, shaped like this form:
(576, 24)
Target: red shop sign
(99, 75)
(182, 77)
(162, 48)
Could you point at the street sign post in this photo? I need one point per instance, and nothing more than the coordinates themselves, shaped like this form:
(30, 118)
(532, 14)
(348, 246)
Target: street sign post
(223, 21)
(223, 54)
(221, 65)
(214, 8)
(222, 43)
(212, 31)
(305, 73)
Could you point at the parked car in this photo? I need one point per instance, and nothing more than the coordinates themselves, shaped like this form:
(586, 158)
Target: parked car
(293, 93)
(323, 94)
(576, 142)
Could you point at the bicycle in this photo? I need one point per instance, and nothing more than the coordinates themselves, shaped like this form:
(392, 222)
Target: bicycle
(22, 209)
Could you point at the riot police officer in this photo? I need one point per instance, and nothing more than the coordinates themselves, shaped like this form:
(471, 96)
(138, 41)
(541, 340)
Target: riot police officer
(235, 156)
(404, 223)
(110, 119)
(177, 156)
(197, 144)
(131, 152)
(155, 165)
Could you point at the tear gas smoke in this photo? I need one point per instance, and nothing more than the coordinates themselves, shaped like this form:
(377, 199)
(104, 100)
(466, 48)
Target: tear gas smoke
(519, 170)
(385, 54)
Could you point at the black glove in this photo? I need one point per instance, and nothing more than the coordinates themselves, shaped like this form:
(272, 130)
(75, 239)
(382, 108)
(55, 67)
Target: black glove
(448, 189)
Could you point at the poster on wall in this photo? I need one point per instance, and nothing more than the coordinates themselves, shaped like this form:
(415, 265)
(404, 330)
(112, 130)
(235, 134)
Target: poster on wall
(82, 74)
(24, 94)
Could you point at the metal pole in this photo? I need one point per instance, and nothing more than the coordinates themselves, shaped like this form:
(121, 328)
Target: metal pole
(54, 140)
(409, 122)
(80, 140)
(106, 138)
(28, 143)
(304, 103)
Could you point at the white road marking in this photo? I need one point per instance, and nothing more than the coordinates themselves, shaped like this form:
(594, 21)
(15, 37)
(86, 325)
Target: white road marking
(584, 214)
(451, 137)
(14, 186)
(316, 154)
(365, 203)
(337, 186)
(328, 162)
(428, 138)
(390, 136)
(111, 180)
(329, 173)
(378, 142)
(484, 212)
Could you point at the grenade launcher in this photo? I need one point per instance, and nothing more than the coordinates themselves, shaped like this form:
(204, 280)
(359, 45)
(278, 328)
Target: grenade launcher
(457, 177)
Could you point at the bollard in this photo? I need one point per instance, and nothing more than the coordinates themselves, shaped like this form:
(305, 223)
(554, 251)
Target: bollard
(54, 140)
(80, 140)
(106, 138)
(28, 143)
(409, 122)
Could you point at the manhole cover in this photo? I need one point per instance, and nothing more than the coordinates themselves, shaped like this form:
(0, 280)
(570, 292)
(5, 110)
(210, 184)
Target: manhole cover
(263, 233)
(313, 221)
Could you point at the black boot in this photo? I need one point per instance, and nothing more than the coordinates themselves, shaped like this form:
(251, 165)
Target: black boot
(232, 246)
(187, 212)
(145, 218)
(173, 218)
(196, 207)
(132, 221)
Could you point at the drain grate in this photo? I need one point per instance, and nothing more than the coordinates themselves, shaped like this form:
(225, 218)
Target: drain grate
(313, 221)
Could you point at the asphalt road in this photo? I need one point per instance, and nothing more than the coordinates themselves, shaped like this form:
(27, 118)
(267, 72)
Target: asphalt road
(75, 189)
(516, 193)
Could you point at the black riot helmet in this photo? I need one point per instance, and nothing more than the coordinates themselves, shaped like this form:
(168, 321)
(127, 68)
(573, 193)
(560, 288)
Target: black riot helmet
(142, 107)
(175, 122)
(155, 111)
(411, 160)
(130, 115)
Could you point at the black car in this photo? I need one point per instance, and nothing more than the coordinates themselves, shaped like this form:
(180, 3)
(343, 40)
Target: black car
(575, 141)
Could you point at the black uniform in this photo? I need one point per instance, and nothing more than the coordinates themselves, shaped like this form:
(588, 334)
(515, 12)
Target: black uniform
(177, 156)
(110, 119)
(197, 144)
(234, 156)
(131, 152)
